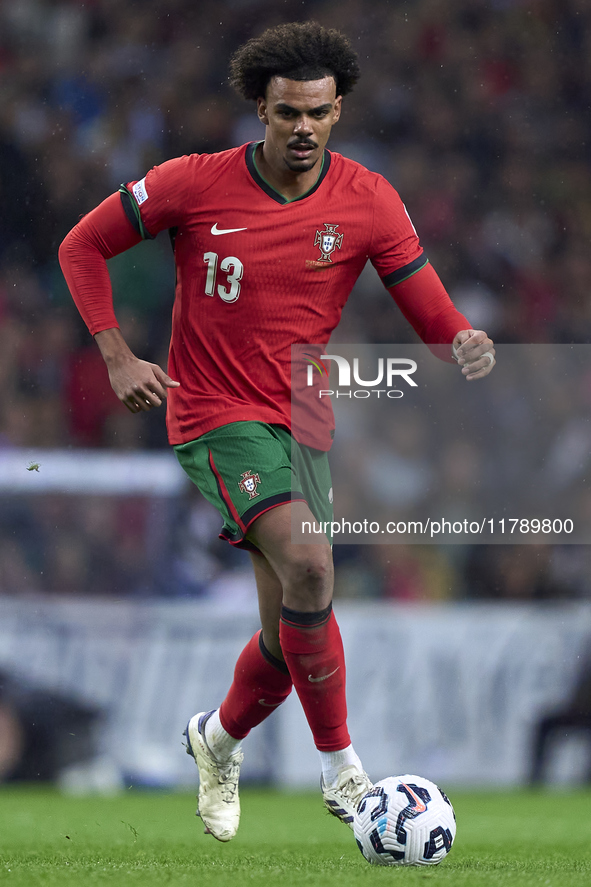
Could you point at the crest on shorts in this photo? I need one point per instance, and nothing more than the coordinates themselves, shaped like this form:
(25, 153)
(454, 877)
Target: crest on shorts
(249, 483)
(327, 241)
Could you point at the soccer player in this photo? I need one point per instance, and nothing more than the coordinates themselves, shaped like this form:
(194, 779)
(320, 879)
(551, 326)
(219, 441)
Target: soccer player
(269, 239)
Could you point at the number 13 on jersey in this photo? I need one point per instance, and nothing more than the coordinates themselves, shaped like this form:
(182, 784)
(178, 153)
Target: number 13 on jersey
(232, 269)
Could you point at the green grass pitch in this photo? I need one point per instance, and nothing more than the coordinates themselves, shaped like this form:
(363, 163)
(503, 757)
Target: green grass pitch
(148, 838)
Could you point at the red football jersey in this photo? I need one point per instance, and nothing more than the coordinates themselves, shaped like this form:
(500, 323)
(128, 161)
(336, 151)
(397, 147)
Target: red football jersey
(257, 273)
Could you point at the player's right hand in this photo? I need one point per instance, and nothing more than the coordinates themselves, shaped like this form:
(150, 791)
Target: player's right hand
(139, 385)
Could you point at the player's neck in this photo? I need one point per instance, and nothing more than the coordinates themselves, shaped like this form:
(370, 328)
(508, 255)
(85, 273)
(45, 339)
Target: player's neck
(286, 182)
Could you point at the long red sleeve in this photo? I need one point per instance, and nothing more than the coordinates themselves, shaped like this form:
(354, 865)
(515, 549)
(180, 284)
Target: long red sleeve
(426, 305)
(103, 233)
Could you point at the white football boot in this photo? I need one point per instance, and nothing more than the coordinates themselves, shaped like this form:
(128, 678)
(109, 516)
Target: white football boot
(343, 799)
(218, 800)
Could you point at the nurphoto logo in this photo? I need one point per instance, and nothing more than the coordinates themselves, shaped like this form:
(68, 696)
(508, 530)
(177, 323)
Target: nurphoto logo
(391, 371)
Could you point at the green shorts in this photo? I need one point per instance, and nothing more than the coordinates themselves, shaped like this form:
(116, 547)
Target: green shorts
(247, 468)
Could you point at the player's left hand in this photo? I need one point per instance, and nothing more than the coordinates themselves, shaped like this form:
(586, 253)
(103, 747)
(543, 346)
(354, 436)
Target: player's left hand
(474, 352)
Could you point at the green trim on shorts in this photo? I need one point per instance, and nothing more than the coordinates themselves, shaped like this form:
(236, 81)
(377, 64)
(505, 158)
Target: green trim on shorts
(247, 468)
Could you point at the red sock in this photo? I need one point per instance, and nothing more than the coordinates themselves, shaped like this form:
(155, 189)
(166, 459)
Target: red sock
(261, 683)
(313, 650)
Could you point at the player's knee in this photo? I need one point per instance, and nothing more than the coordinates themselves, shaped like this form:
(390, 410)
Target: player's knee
(312, 567)
(309, 580)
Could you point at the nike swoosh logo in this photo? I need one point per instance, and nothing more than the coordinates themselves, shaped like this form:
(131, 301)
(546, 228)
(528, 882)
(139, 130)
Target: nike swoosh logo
(419, 806)
(216, 230)
(323, 677)
(268, 704)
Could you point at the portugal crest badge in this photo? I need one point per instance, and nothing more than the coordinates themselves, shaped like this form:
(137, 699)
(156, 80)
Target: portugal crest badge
(249, 484)
(327, 241)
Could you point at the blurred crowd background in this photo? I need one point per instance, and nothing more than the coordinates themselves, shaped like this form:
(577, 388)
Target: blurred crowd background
(475, 110)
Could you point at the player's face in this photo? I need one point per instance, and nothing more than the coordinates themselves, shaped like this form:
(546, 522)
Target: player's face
(299, 115)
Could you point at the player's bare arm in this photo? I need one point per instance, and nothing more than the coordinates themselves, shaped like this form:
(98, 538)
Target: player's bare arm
(475, 353)
(138, 384)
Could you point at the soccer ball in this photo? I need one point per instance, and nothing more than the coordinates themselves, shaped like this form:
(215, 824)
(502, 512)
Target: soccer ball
(404, 820)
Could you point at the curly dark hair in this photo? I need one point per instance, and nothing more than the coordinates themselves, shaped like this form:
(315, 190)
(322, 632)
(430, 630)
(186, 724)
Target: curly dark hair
(296, 51)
